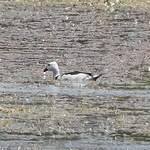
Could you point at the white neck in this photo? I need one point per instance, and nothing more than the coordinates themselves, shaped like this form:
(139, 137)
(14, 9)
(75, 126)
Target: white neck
(56, 72)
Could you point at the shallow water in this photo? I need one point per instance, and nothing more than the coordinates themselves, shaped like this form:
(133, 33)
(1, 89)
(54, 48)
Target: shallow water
(37, 113)
(53, 117)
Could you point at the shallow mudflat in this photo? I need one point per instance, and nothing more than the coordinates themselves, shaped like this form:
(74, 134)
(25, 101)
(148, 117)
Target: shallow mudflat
(37, 113)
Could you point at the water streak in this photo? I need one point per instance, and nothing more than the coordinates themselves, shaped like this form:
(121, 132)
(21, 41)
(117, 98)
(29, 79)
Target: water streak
(56, 90)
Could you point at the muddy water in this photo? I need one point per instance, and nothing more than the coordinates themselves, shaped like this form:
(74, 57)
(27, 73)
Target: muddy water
(37, 113)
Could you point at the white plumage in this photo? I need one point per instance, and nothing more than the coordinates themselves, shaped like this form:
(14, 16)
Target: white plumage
(75, 75)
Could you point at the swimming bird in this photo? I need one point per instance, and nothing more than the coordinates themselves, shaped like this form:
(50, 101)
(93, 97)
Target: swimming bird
(75, 75)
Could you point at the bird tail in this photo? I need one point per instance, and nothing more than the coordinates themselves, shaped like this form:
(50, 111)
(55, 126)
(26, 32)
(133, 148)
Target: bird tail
(96, 77)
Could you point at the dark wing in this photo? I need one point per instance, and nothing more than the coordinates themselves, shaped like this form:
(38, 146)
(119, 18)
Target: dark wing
(77, 72)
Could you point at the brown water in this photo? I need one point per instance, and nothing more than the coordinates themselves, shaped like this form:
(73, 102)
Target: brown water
(37, 113)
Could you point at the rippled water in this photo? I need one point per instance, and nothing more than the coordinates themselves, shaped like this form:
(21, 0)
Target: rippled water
(37, 113)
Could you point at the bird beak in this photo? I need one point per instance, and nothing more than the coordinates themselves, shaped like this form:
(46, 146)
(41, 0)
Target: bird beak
(45, 69)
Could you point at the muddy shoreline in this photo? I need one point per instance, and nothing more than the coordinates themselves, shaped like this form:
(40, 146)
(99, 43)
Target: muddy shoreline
(115, 44)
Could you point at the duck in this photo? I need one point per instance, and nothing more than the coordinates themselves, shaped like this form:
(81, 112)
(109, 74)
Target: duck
(70, 76)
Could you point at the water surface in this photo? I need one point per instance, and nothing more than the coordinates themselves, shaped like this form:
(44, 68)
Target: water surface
(37, 113)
